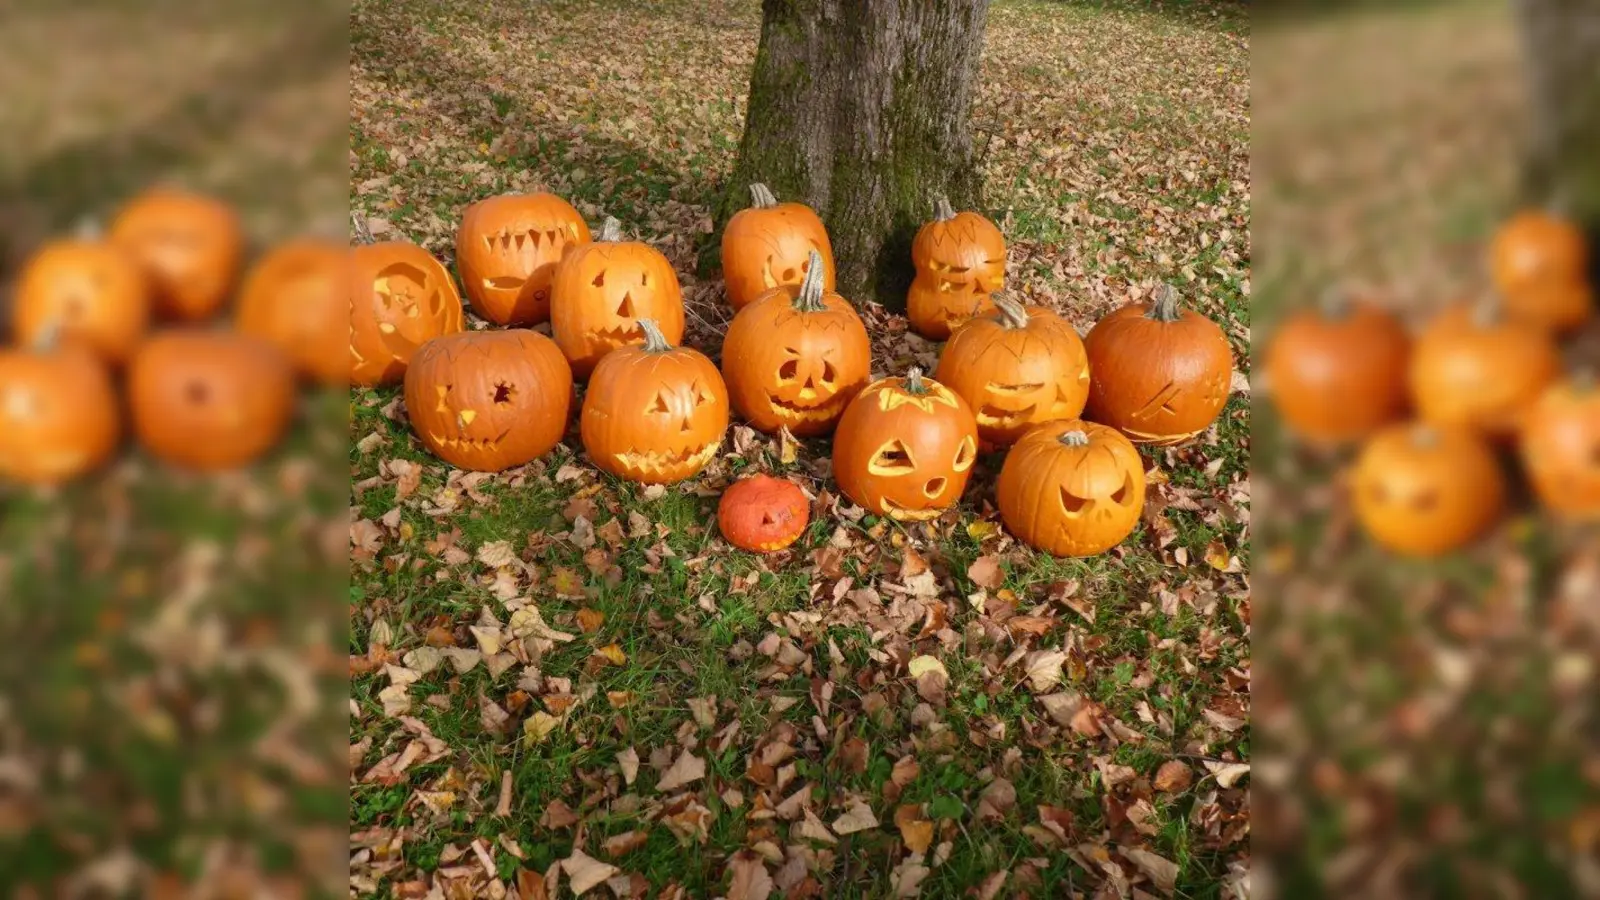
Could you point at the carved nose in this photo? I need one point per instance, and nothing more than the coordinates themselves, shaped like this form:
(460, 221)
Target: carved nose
(809, 389)
(625, 309)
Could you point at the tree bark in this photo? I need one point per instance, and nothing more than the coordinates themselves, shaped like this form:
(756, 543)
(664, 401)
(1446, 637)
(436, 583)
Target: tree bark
(1562, 41)
(862, 109)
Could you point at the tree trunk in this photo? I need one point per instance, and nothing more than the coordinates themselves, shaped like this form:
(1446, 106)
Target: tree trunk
(1562, 38)
(862, 109)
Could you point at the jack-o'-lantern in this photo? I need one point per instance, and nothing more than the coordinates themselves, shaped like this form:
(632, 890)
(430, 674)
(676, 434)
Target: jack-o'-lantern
(1539, 261)
(1016, 368)
(1560, 447)
(1473, 366)
(59, 416)
(601, 291)
(1338, 372)
(507, 249)
(190, 246)
(1071, 488)
(796, 357)
(295, 298)
(90, 290)
(1423, 490)
(1161, 373)
(654, 413)
(763, 514)
(905, 448)
(489, 400)
(769, 245)
(400, 298)
(209, 400)
(960, 261)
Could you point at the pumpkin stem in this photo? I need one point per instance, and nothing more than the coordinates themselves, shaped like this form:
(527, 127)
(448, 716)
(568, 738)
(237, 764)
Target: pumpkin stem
(1583, 378)
(363, 234)
(611, 231)
(1334, 302)
(914, 383)
(942, 210)
(1487, 312)
(810, 297)
(1165, 308)
(1075, 438)
(88, 229)
(654, 340)
(49, 335)
(761, 197)
(1012, 313)
(1559, 205)
(1424, 436)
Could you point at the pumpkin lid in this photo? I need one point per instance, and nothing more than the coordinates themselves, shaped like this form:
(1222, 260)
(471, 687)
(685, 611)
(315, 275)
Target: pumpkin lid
(809, 298)
(761, 197)
(1164, 308)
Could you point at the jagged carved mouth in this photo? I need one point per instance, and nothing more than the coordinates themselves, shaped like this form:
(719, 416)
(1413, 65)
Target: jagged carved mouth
(465, 443)
(618, 334)
(995, 417)
(657, 462)
(901, 513)
(506, 241)
(505, 283)
(810, 412)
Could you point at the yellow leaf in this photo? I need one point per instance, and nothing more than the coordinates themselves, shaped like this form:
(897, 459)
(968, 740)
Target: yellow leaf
(590, 620)
(925, 663)
(483, 147)
(982, 529)
(1217, 556)
(537, 727)
(612, 653)
(788, 446)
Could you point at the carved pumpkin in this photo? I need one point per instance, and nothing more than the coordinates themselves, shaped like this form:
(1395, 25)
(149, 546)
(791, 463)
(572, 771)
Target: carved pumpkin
(601, 291)
(1017, 368)
(59, 416)
(489, 400)
(960, 260)
(400, 298)
(905, 448)
(763, 514)
(209, 400)
(1560, 446)
(1422, 490)
(1540, 264)
(796, 357)
(295, 298)
(189, 245)
(769, 245)
(1477, 368)
(654, 413)
(1161, 373)
(91, 291)
(1071, 488)
(1338, 372)
(507, 249)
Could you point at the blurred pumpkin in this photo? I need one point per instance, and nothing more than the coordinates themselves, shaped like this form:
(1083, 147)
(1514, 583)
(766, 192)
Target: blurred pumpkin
(91, 291)
(601, 291)
(400, 298)
(1560, 446)
(1558, 308)
(190, 246)
(960, 261)
(763, 514)
(1071, 488)
(1539, 261)
(294, 297)
(209, 400)
(769, 245)
(905, 448)
(1424, 490)
(59, 416)
(507, 248)
(1338, 371)
(1474, 367)
(1017, 367)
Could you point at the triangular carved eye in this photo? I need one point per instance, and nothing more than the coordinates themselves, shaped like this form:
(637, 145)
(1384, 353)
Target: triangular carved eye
(1121, 494)
(791, 367)
(966, 455)
(600, 279)
(893, 458)
(659, 405)
(1073, 505)
(701, 398)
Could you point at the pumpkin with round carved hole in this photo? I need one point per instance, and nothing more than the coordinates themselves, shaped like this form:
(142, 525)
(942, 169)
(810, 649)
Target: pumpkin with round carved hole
(489, 400)
(769, 244)
(1560, 447)
(190, 246)
(400, 298)
(1017, 368)
(1338, 371)
(1424, 490)
(1161, 372)
(796, 357)
(90, 290)
(1475, 367)
(601, 291)
(1539, 261)
(905, 448)
(507, 248)
(59, 415)
(294, 297)
(209, 400)
(960, 262)
(654, 413)
(1071, 488)
(763, 514)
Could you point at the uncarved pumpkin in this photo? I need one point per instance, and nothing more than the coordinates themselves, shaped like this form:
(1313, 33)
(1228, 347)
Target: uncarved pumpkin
(601, 291)
(1474, 367)
(1016, 367)
(1539, 261)
(1071, 488)
(1422, 490)
(1560, 446)
(905, 448)
(190, 246)
(507, 248)
(59, 416)
(295, 298)
(90, 291)
(400, 298)
(769, 245)
(960, 261)
(763, 514)
(1338, 371)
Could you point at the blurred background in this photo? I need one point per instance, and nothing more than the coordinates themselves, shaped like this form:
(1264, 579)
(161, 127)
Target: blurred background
(172, 689)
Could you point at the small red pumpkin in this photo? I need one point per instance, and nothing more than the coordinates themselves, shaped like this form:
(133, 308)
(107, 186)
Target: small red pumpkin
(763, 514)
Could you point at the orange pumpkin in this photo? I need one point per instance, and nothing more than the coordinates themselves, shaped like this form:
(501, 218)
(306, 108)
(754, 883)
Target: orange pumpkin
(796, 357)
(400, 298)
(209, 400)
(654, 413)
(1017, 367)
(90, 291)
(905, 448)
(489, 400)
(1477, 368)
(1161, 373)
(294, 297)
(601, 291)
(1338, 372)
(1539, 261)
(190, 246)
(1422, 490)
(960, 261)
(1560, 446)
(507, 248)
(769, 245)
(1071, 488)
(59, 416)
(763, 514)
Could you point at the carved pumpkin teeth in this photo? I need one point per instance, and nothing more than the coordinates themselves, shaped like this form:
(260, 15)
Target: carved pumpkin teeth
(504, 283)
(814, 412)
(618, 333)
(995, 417)
(656, 462)
(902, 513)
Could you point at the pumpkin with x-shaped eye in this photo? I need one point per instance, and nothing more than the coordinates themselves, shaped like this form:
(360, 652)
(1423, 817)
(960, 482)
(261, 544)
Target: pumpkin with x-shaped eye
(905, 448)
(960, 261)
(1424, 490)
(1560, 445)
(59, 414)
(507, 249)
(769, 245)
(654, 413)
(796, 357)
(601, 291)
(1017, 368)
(190, 246)
(400, 298)
(1071, 488)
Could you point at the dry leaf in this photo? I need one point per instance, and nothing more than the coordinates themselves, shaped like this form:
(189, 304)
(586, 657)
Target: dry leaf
(686, 769)
(584, 872)
(858, 817)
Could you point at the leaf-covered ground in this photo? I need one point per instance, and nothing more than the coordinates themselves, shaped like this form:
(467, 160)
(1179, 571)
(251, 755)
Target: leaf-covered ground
(563, 683)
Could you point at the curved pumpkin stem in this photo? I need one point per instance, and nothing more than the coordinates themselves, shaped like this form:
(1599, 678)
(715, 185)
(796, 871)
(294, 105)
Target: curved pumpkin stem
(611, 231)
(1075, 438)
(654, 340)
(358, 227)
(1165, 308)
(810, 297)
(942, 210)
(1334, 302)
(914, 383)
(761, 197)
(1012, 313)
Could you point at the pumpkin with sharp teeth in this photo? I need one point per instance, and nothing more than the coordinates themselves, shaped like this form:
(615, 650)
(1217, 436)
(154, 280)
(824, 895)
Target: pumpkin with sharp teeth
(1474, 366)
(507, 248)
(1425, 490)
(59, 416)
(1560, 446)
(905, 448)
(763, 514)
(960, 262)
(796, 357)
(400, 298)
(189, 244)
(1017, 368)
(489, 400)
(601, 291)
(294, 298)
(654, 413)
(1071, 488)
(92, 291)
(770, 245)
